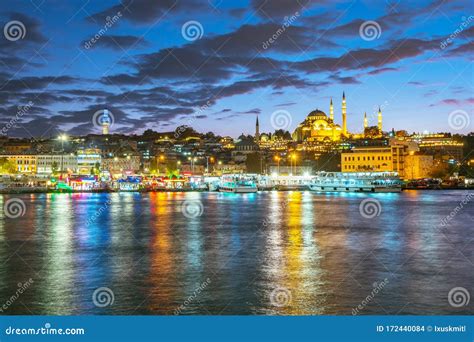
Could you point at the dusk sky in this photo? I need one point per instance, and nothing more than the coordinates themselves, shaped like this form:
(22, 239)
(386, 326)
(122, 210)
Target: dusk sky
(151, 72)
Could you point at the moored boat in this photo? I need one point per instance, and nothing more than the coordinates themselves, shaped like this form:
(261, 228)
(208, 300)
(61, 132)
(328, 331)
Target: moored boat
(237, 184)
(356, 182)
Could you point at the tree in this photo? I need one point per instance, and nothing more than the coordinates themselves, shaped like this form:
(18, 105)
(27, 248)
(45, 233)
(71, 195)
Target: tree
(172, 168)
(54, 168)
(372, 132)
(96, 169)
(7, 166)
(255, 163)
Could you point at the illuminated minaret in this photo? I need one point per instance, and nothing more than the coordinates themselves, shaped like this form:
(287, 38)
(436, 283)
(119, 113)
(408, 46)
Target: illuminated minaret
(331, 111)
(344, 115)
(257, 131)
(365, 121)
(380, 120)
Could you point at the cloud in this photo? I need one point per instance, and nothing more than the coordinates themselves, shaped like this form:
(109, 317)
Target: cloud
(118, 42)
(281, 8)
(145, 11)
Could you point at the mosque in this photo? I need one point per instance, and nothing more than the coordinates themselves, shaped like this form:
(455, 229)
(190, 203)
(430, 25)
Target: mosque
(318, 127)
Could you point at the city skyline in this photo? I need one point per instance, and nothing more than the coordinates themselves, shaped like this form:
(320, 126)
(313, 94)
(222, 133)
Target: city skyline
(216, 66)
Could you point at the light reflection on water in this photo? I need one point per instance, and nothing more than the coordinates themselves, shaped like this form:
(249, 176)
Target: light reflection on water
(244, 246)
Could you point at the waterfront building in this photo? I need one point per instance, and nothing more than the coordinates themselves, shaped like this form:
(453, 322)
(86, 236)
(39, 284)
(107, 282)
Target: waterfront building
(121, 165)
(441, 144)
(362, 159)
(418, 166)
(399, 156)
(50, 163)
(25, 162)
(87, 159)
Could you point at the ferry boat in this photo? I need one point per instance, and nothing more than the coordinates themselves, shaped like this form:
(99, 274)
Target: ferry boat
(238, 184)
(356, 182)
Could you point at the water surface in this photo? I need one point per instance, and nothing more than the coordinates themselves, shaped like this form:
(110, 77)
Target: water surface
(269, 253)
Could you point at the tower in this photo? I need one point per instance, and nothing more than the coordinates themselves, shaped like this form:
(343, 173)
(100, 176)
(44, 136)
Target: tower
(365, 120)
(257, 131)
(380, 120)
(344, 115)
(331, 111)
(105, 121)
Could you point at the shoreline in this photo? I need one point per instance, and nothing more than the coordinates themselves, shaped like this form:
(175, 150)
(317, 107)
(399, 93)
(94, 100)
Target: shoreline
(42, 191)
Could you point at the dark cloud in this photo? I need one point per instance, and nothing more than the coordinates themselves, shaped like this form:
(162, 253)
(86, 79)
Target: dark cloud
(281, 8)
(117, 42)
(146, 11)
(32, 31)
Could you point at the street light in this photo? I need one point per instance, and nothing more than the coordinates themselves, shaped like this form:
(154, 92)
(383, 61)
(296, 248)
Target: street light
(62, 138)
(277, 158)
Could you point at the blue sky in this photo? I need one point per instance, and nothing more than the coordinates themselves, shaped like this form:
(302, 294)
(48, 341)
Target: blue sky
(152, 75)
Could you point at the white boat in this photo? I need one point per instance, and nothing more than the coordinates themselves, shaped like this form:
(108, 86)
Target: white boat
(356, 182)
(237, 184)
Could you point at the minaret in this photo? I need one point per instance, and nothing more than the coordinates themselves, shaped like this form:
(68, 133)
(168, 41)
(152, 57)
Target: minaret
(365, 120)
(331, 111)
(380, 120)
(257, 131)
(344, 115)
